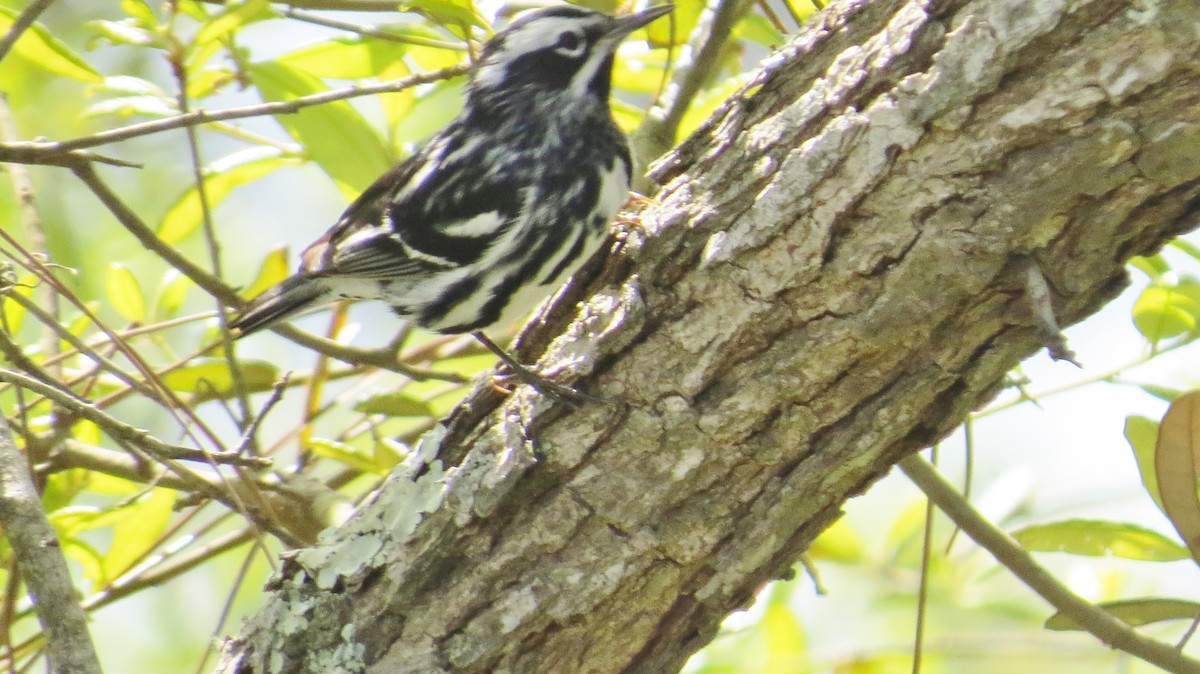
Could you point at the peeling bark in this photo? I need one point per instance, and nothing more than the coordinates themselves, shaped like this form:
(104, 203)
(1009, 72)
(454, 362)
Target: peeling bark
(832, 276)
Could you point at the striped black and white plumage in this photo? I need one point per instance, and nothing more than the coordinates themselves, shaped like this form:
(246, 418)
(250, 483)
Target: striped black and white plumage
(502, 205)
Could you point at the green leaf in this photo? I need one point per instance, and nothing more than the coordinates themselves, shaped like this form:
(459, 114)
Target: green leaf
(210, 379)
(221, 178)
(1186, 246)
(676, 27)
(1164, 312)
(208, 82)
(127, 32)
(128, 106)
(14, 313)
(172, 292)
(334, 135)
(394, 404)
(1152, 266)
(40, 48)
(140, 11)
(1097, 538)
(787, 643)
(137, 530)
(273, 270)
(430, 112)
(123, 290)
(349, 58)
(839, 543)
(1135, 612)
(232, 17)
(1142, 433)
(343, 453)
(758, 28)
(449, 13)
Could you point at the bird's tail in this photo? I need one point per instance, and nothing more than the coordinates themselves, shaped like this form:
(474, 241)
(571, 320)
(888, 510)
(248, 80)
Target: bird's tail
(289, 297)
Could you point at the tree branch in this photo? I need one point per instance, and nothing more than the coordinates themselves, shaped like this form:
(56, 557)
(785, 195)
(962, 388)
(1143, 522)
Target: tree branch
(41, 563)
(1101, 624)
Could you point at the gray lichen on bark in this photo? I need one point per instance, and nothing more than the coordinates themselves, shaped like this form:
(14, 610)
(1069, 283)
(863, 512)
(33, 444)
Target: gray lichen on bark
(831, 277)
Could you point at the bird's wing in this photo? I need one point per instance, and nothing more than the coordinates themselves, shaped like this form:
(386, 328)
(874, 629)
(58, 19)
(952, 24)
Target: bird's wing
(436, 210)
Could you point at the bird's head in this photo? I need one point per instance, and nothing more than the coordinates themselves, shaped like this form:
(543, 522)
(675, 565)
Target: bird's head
(560, 50)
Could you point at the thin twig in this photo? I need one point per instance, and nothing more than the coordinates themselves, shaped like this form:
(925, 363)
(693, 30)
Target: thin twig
(661, 126)
(1101, 624)
(42, 564)
(41, 152)
(371, 31)
(22, 23)
(923, 588)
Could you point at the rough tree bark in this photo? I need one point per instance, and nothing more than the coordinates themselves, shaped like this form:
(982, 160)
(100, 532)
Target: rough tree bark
(831, 278)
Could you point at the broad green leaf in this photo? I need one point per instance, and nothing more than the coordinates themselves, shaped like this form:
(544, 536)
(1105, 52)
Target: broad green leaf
(1142, 433)
(221, 178)
(432, 57)
(640, 76)
(139, 10)
(348, 58)
(398, 104)
(1135, 612)
(208, 82)
(430, 112)
(1161, 392)
(676, 27)
(343, 453)
(1096, 538)
(232, 17)
(1163, 312)
(14, 313)
(273, 270)
(1177, 467)
(172, 292)
(210, 379)
(1187, 247)
(394, 404)
(137, 530)
(1152, 266)
(123, 290)
(39, 47)
(62, 487)
(128, 84)
(87, 557)
(449, 13)
(334, 135)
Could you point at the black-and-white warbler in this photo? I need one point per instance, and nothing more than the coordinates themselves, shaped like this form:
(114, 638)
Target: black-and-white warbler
(501, 206)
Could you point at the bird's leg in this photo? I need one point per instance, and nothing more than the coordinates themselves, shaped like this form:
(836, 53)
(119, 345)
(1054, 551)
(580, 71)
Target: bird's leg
(538, 382)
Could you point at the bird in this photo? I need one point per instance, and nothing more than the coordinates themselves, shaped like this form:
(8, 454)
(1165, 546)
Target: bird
(499, 208)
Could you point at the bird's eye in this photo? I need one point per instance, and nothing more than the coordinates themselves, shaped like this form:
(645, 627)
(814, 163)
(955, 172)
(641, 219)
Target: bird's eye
(570, 43)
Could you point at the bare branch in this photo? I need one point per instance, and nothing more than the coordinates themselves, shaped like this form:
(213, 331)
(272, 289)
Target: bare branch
(1101, 624)
(42, 565)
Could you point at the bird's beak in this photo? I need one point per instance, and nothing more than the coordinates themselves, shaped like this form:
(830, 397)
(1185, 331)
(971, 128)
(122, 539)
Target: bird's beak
(624, 25)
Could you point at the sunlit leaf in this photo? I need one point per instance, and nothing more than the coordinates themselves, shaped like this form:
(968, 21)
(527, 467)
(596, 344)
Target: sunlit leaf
(172, 292)
(787, 645)
(186, 215)
(1176, 456)
(394, 404)
(758, 28)
(839, 543)
(274, 269)
(40, 48)
(1163, 312)
(127, 106)
(123, 290)
(139, 10)
(1161, 392)
(1186, 246)
(1152, 266)
(127, 32)
(210, 378)
(430, 112)
(676, 27)
(334, 135)
(1097, 538)
(1142, 433)
(345, 454)
(1135, 612)
(345, 57)
(138, 529)
(232, 17)
(208, 82)
(128, 84)
(449, 13)
(14, 312)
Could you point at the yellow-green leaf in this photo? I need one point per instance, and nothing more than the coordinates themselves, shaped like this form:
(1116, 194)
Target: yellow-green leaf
(1164, 312)
(273, 270)
(1097, 538)
(334, 135)
(345, 57)
(125, 293)
(137, 530)
(172, 293)
(221, 178)
(232, 17)
(394, 404)
(210, 378)
(343, 453)
(39, 47)
(1142, 433)
(1176, 458)
(1135, 612)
